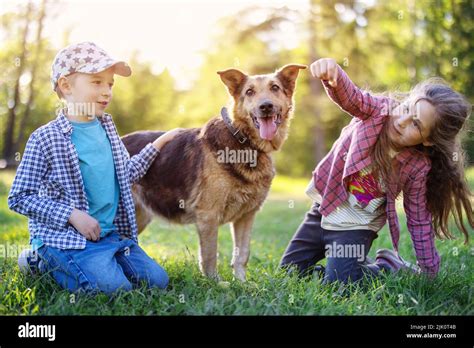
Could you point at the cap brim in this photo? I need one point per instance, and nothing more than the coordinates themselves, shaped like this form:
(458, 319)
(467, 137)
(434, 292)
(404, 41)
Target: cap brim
(122, 69)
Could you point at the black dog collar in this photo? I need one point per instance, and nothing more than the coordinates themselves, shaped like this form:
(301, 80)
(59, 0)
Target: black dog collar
(241, 138)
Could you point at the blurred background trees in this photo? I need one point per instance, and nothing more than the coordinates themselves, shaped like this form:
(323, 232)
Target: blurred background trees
(383, 45)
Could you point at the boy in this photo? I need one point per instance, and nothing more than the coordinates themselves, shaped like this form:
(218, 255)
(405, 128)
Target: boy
(74, 183)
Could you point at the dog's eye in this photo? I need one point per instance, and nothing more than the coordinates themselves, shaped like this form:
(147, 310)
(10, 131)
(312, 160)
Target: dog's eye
(249, 92)
(275, 88)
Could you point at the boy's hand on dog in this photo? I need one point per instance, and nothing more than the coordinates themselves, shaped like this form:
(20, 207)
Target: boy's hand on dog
(165, 138)
(85, 224)
(325, 69)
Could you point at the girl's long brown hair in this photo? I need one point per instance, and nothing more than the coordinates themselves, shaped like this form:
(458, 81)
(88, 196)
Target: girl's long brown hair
(447, 189)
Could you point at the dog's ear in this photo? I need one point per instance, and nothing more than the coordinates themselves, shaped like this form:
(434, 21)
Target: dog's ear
(234, 80)
(288, 74)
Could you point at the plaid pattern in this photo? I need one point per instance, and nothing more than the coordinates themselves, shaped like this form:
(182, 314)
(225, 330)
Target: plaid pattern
(48, 183)
(351, 153)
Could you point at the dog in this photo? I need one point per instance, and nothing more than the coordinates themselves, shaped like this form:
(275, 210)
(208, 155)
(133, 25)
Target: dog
(222, 172)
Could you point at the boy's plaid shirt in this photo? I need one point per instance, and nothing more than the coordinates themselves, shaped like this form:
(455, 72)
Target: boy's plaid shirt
(48, 183)
(351, 152)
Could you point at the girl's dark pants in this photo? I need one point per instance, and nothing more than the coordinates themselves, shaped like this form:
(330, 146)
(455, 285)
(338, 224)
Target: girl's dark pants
(346, 251)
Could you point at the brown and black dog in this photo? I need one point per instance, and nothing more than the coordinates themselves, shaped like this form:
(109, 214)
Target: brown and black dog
(209, 176)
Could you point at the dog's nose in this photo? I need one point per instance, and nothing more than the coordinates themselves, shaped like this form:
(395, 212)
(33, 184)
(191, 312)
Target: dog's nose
(266, 107)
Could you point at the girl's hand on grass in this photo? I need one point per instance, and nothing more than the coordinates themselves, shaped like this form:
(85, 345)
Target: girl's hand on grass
(85, 224)
(325, 69)
(165, 138)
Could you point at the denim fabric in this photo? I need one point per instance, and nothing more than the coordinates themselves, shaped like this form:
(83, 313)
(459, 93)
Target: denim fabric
(108, 265)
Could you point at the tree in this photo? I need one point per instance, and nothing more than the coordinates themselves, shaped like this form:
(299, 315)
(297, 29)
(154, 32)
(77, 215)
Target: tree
(13, 103)
(34, 67)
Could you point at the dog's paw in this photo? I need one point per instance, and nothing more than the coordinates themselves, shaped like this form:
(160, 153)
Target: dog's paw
(240, 275)
(240, 280)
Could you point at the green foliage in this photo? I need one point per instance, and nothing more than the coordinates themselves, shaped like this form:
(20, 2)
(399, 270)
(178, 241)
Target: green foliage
(385, 47)
(144, 101)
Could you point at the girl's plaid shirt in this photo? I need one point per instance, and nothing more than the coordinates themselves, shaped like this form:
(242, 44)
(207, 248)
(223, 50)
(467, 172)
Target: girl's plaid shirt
(351, 152)
(48, 183)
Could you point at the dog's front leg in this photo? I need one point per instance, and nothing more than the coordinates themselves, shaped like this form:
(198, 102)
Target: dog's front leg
(207, 228)
(241, 231)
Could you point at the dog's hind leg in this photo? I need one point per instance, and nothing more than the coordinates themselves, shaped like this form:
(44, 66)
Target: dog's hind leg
(241, 231)
(207, 228)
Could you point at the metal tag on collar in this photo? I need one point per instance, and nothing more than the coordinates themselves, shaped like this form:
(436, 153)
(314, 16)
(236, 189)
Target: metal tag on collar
(241, 138)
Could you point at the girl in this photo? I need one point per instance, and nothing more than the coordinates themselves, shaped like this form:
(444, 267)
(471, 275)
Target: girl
(410, 146)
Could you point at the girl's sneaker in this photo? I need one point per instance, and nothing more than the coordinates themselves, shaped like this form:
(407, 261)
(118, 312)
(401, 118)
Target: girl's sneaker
(29, 262)
(319, 271)
(392, 260)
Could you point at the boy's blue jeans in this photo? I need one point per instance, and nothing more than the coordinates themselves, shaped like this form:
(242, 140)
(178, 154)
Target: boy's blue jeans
(107, 265)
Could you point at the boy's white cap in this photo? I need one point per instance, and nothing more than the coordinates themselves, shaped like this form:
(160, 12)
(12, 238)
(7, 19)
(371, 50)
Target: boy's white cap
(84, 57)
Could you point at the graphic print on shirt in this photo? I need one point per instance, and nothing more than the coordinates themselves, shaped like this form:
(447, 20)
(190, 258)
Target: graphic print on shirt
(364, 186)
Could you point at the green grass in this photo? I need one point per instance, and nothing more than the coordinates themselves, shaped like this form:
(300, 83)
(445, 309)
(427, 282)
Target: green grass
(268, 292)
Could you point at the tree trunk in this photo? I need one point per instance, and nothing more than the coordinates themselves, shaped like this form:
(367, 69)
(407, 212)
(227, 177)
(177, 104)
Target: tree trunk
(8, 147)
(319, 134)
(26, 114)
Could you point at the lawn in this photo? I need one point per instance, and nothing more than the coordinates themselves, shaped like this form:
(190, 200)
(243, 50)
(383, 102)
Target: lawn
(268, 292)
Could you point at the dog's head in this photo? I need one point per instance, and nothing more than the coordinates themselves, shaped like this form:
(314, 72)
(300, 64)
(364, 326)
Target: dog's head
(263, 101)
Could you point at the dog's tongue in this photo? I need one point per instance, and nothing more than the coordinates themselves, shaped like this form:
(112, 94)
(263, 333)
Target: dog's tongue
(268, 128)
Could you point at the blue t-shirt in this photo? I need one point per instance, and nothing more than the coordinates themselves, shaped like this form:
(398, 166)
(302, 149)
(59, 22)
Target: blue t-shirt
(98, 172)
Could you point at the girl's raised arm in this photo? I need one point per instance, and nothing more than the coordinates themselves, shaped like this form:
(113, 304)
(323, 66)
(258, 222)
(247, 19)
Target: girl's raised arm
(345, 93)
